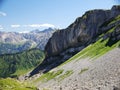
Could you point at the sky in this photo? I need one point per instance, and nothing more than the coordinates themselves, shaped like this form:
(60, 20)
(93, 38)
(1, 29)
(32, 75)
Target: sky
(27, 15)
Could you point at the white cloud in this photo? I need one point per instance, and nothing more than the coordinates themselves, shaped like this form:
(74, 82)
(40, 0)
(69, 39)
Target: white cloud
(47, 25)
(3, 14)
(15, 26)
(40, 25)
(33, 26)
(1, 27)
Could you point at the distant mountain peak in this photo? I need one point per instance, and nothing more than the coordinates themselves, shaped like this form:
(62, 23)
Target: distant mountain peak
(35, 31)
(42, 31)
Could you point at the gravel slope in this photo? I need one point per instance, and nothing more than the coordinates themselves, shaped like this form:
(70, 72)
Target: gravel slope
(100, 74)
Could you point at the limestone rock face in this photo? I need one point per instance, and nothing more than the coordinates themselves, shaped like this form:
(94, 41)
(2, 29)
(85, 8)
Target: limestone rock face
(81, 32)
(89, 28)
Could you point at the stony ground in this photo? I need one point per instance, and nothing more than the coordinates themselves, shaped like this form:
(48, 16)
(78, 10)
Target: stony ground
(89, 74)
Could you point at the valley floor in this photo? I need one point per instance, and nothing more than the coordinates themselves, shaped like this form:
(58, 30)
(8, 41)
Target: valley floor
(102, 73)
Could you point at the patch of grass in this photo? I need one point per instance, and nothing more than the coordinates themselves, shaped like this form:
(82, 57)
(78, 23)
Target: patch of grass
(49, 75)
(111, 30)
(12, 84)
(97, 49)
(115, 20)
(21, 72)
(85, 16)
(67, 74)
(101, 35)
(108, 32)
(83, 70)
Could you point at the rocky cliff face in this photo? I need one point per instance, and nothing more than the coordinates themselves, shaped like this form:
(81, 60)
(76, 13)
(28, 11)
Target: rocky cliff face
(85, 30)
(81, 32)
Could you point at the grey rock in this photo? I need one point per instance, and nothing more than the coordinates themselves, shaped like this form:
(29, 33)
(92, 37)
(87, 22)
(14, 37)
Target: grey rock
(81, 32)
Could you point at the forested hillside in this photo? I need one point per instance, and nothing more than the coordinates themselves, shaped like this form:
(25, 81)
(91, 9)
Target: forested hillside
(19, 63)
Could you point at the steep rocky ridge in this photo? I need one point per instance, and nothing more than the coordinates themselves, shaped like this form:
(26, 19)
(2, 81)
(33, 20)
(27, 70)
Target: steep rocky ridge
(81, 32)
(84, 31)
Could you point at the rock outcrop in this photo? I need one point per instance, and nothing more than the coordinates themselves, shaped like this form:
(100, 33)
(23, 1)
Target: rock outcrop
(85, 30)
(81, 32)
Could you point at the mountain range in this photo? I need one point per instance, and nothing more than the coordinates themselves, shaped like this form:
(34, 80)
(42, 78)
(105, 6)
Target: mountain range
(13, 42)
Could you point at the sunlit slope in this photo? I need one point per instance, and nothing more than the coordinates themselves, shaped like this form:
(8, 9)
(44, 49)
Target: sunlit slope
(12, 84)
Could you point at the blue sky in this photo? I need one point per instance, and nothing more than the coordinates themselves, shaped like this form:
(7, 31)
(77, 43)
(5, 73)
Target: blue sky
(27, 15)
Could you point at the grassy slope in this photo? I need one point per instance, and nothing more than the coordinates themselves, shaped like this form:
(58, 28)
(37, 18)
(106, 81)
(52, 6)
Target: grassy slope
(12, 84)
(48, 76)
(58, 75)
(115, 20)
(19, 63)
(94, 50)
